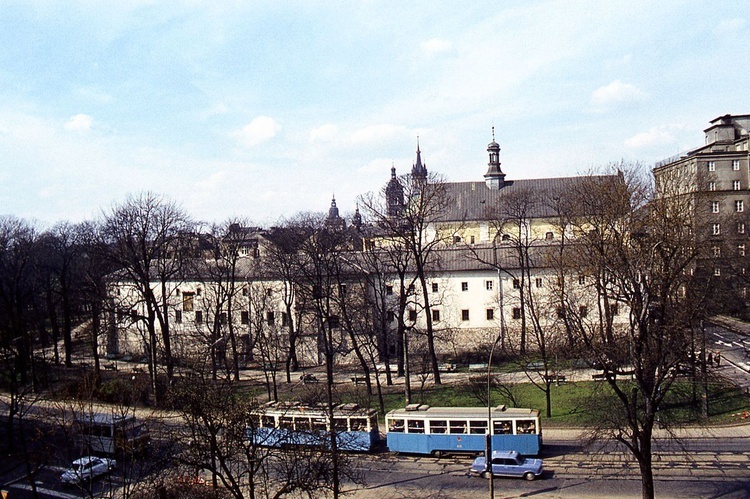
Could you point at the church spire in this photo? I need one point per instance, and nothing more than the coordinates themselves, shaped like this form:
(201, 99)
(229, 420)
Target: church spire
(494, 178)
(333, 220)
(394, 195)
(419, 170)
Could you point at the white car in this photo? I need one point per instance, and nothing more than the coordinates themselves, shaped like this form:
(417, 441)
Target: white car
(87, 468)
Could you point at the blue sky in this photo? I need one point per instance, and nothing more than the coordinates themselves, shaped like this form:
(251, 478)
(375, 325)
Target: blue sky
(264, 109)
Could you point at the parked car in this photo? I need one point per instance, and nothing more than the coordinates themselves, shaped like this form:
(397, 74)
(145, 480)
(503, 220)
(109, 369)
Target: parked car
(508, 463)
(87, 468)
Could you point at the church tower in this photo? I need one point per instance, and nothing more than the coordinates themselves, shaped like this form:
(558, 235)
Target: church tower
(394, 196)
(494, 178)
(419, 170)
(333, 220)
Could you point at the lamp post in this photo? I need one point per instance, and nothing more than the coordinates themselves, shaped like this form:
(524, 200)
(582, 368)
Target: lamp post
(488, 444)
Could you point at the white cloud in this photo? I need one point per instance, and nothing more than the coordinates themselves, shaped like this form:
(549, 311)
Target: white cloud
(436, 46)
(257, 131)
(79, 123)
(656, 136)
(377, 133)
(324, 133)
(729, 25)
(616, 93)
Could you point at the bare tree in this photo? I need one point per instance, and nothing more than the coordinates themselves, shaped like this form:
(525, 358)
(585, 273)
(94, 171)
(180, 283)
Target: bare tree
(417, 228)
(148, 238)
(639, 250)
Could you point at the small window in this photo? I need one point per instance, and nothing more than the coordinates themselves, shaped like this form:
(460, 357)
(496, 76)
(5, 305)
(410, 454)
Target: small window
(222, 318)
(187, 301)
(506, 237)
(613, 309)
(270, 318)
(245, 317)
(549, 236)
(712, 166)
(581, 280)
(435, 315)
(737, 185)
(415, 425)
(714, 207)
(472, 239)
(411, 288)
(712, 186)
(334, 321)
(464, 286)
(396, 426)
(717, 272)
(178, 316)
(516, 284)
(413, 315)
(391, 316)
(739, 206)
(488, 285)
(435, 287)
(439, 426)
(716, 251)
(458, 427)
(389, 290)
(269, 292)
(526, 426)
(478, 427)
(198, 317)
(716, 229)
(583, 310)
(741, 250)
(284, 319)
(464, 315)
(456, 239)
(502, 427)
(539, 282)
(740, 228)
(342, 290)
(736, 165)
(490, 314)
(516, 312)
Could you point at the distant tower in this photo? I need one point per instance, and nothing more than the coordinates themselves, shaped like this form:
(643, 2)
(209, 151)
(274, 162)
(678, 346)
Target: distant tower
(394, 196)
(357, 219)
(419, 170)
(494, 178)
(333, 220)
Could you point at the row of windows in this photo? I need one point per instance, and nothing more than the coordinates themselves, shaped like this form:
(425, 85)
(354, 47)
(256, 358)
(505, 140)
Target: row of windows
(736, 185)
(488, 285)
(740, 250)
(716, 229)
(735, 165)
(583, 311)
(739, 206)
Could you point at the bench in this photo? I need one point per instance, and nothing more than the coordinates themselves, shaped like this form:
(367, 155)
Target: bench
(109, 366)
(559, 378)
(599, 377)
(359, 379)
(446, 368)
(477, 367)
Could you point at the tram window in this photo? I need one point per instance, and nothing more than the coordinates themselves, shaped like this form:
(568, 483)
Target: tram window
(502, 427)
(458, 426)
(396, 425)
(268, 421)
(358, 424)
(525, 426)
(415, 425)
(439, 426)
(286, 422)
(302, 424)
(339, 424)
(478, 427)
(319, 424)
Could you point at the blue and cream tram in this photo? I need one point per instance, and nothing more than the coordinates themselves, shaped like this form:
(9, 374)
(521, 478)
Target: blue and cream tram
(279, 424)
(421, 429)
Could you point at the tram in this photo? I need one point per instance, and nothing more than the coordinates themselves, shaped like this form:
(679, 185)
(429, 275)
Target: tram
(421, 429)
(282, 424)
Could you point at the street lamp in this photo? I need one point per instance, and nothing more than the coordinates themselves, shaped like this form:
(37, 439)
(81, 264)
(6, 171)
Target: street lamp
(488, 444)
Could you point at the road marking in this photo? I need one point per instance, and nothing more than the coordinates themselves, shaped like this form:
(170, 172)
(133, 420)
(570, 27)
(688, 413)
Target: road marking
(42, 490)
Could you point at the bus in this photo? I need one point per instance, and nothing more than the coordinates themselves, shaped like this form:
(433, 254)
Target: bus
(280, 424)
(112, 434)
(421, 429)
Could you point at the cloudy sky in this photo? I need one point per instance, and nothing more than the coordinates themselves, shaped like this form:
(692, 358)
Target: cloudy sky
(264, 109)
